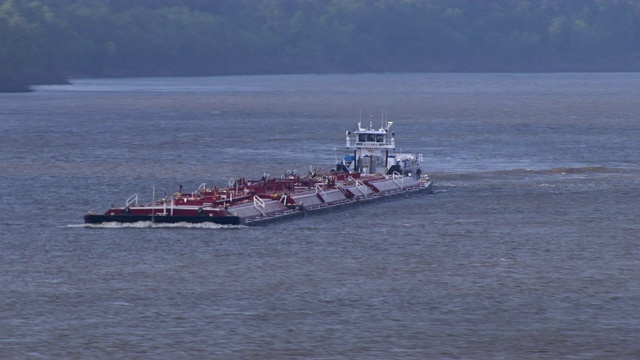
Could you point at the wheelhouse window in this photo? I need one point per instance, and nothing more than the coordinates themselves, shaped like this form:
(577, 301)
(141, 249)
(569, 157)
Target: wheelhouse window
(378, 138)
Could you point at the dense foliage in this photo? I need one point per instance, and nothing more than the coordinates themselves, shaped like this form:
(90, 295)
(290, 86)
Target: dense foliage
(48, 40)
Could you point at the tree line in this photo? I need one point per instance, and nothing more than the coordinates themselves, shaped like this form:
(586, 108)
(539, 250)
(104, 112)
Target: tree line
(48, 41)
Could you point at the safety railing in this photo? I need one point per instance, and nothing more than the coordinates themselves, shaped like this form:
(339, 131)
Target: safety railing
(133, 199)
(319, 189)
(201, 188)
(362, 187)
(259, 203)
(398, 179)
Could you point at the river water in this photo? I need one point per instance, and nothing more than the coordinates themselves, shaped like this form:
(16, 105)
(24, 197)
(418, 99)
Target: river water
(529, 247)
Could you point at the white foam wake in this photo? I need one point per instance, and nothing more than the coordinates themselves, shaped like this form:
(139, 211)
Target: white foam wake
(149, 224)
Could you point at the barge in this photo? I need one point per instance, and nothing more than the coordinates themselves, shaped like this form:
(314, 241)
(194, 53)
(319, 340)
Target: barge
(372, 171)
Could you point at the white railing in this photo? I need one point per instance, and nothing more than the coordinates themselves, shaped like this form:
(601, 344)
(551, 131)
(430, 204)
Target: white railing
(360, 186)
(396, 176)
(389, 144)
(320, 190)
(133, 199)
(259, 203)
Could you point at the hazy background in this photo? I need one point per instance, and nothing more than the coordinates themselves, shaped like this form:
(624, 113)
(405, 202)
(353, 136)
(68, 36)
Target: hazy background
(48, 41)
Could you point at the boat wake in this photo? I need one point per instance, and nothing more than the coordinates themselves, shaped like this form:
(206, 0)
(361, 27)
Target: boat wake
(521, 172)
(149, 224)
(586, 170)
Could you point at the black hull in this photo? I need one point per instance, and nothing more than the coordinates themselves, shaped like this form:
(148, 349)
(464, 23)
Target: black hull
(162, 219)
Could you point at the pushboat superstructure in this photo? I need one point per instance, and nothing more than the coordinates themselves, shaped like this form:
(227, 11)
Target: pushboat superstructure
(371, 152)
(371, 172)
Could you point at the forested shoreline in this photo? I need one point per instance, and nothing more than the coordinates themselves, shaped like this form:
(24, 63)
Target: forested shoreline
(49, 41)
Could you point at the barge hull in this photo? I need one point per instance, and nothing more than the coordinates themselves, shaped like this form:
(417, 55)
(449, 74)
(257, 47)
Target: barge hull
(162, 219)
(340, 206)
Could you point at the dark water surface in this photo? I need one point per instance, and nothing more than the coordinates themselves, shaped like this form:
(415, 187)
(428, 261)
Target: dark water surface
(529, 248)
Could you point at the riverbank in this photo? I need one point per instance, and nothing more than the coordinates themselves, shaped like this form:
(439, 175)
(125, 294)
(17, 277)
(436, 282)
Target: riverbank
(22, 84)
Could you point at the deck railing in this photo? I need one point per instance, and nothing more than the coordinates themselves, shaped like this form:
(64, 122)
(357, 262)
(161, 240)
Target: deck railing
(259, 203)
(362, 187)
(396, 176)
(133, 199)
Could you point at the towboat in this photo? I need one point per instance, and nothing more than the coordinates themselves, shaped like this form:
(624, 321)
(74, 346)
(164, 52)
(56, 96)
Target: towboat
(370, 172)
